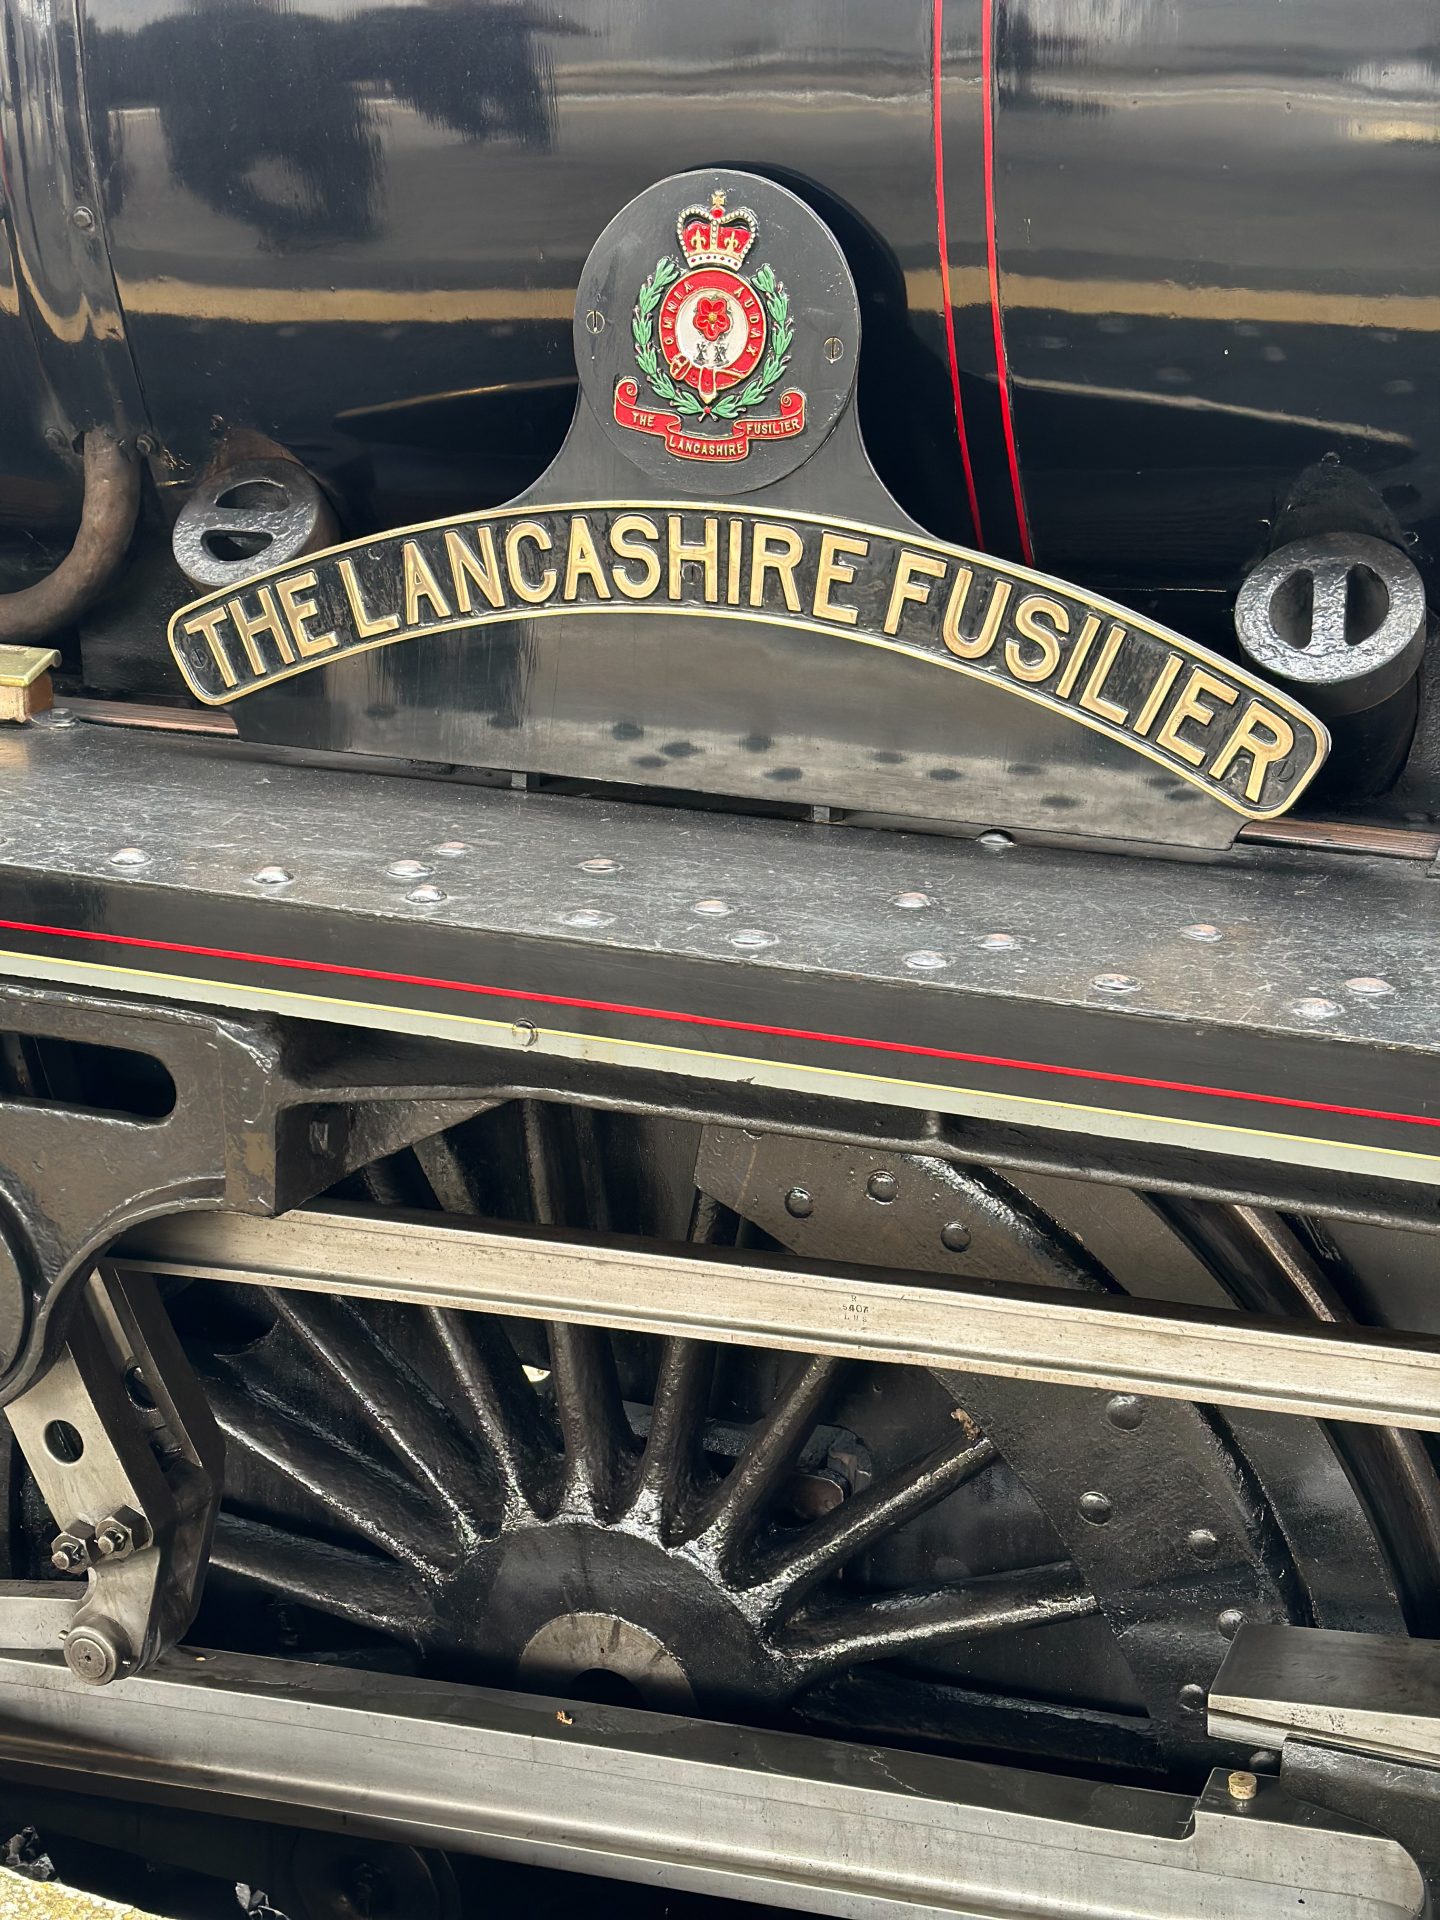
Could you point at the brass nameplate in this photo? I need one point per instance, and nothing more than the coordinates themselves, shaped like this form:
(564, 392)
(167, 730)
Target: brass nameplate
(1206, 720)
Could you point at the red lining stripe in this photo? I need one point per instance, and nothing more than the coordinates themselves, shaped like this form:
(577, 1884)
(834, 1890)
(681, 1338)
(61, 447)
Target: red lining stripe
(718, 1022)
(943, 241)
(992, 257)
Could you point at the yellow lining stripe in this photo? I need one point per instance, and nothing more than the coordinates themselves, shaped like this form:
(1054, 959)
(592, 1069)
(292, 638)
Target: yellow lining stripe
(795, 1076)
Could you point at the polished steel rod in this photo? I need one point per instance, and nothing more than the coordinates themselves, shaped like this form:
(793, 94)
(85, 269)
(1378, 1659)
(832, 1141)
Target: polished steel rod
(783, 1819)
(1116, 1344)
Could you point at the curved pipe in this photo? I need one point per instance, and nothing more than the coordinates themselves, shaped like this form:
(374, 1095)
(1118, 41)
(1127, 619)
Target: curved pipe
(107, 520)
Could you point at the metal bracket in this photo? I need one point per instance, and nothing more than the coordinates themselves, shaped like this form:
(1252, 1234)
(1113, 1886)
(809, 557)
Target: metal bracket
(129, 1459)
(265, 1115)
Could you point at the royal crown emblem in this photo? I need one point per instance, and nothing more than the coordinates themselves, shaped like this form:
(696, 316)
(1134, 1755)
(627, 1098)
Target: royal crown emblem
(712, 343)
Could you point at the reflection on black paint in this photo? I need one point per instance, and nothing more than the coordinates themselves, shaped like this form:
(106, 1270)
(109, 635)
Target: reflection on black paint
(267, 113)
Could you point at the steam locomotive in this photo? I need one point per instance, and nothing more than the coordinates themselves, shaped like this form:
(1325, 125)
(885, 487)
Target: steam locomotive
(717, 1128)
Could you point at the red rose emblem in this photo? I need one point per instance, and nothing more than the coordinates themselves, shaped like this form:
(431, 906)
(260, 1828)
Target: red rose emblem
(712, 316)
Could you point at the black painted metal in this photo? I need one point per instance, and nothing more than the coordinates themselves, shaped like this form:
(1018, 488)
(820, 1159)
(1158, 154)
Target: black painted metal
(362, 233)
(618, 623)
(1174, 1021)
(247, 1114)
(1172, 1535)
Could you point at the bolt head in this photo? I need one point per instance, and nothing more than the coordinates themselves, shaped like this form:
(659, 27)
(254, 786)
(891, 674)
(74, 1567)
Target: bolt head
(95, 1653)
(69, 1553)
(1314, 1009)
(1125, 1410)
(83, 219)
(1115, 983)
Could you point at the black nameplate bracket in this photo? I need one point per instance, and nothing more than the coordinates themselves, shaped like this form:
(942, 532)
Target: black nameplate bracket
(710, 589)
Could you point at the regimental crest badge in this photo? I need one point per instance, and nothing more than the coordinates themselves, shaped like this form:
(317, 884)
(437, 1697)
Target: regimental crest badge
(712, 343)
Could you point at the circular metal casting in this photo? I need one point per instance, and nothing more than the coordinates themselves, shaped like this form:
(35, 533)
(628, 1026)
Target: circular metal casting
(1339, 617)
(243, 519)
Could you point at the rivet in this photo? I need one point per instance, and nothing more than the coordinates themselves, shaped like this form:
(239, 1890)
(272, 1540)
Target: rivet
(1202, 930)
(145, 445)
(82, 218)
(1315, 1009)
(1230, 1622)
(716, 907)
(408, 870)
(834, 347)
(1115, 983)
(999, 942)
(594, 321)
(1095, 1508)
(910, 902)
(130, 857)
(882, 1186)
(1202, 1543)
(1192, 1698)
(955, 1236)
(525, 1033)
(599, 863)
(752, 939)
(996, 842)
(1125, 1411)
(925, 961)
(427, 896)
(451, 849)
(1369, 987)
(272, 876)
(799, 1203)
(1242, 1786)
(587, 917)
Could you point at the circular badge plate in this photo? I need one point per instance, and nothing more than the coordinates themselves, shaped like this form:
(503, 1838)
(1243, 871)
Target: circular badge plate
(717, 332)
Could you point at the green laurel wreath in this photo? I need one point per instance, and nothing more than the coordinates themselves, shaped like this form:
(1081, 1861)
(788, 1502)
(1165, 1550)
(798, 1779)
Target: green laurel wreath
(685, 400)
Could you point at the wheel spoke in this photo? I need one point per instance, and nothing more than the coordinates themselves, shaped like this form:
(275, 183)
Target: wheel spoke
(767, 1462)
(788, 1575)
(593, 1426)
(353, 1492)
(886, 1625)
(394, 1403)
(350, 1586)
(670, 1469)
(495, 1401)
